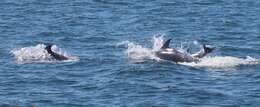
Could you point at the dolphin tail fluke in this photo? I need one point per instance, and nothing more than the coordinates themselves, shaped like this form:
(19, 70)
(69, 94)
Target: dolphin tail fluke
(166, 44)
(206, 49)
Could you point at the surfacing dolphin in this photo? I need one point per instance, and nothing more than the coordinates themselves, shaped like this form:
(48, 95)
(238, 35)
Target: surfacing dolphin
(55, 55)
(176, 56)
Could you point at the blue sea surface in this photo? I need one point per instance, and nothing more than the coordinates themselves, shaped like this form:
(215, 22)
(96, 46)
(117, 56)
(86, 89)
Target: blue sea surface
(106, 76)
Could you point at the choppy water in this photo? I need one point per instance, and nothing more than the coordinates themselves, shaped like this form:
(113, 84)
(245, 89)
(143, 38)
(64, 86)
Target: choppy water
(110, 43)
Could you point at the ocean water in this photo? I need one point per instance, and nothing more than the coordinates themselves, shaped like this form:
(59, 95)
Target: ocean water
(111, 44)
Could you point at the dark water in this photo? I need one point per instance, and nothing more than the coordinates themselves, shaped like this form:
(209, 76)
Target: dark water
(105, 76)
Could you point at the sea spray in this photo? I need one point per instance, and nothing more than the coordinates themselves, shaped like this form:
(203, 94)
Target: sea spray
(157, 42)
(137, 52)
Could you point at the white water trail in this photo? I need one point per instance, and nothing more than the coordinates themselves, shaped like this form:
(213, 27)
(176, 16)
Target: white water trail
(222, 62)
(138, 52)
(37, 54)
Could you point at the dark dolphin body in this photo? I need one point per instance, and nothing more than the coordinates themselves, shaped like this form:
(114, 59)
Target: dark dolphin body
(55, 55)
(174, 55)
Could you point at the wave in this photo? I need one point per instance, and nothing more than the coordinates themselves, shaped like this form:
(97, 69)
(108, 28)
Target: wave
(141, 53)
(38, 54)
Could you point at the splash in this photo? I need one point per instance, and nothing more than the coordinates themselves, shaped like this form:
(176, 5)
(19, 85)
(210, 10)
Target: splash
(37, 54)
(157, 42)
(138, 52)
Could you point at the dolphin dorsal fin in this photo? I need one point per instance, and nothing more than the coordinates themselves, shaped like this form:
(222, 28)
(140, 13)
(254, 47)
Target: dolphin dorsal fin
(48, 48)
(166, 44)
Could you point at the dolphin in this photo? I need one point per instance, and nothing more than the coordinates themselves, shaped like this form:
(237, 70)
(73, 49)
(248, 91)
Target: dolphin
(167, 53)
(55, 55)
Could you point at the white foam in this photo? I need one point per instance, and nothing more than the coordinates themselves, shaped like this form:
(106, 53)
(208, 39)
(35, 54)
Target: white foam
(37, 54)
(135, 51)
(138, 52)
(222, 62)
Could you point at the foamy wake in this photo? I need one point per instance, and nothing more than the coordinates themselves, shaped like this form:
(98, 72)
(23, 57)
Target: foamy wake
(38, 54)
(223, 62)
(138, 52)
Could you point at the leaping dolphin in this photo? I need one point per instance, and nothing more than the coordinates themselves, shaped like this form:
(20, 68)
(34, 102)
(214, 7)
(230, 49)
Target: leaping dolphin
(174, 55)
(55, 55)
